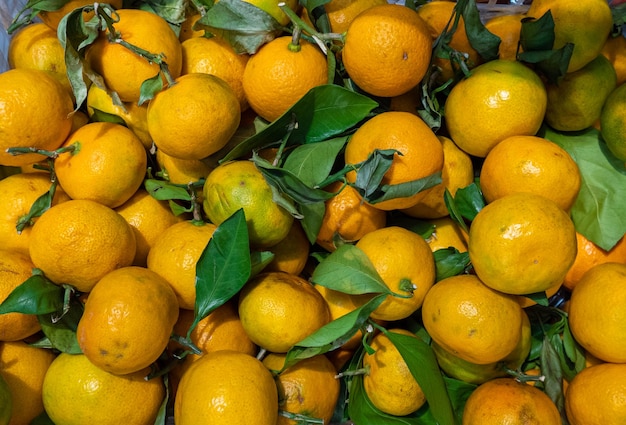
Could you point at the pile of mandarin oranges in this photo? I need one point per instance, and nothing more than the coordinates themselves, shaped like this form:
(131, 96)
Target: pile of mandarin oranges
(313, 212)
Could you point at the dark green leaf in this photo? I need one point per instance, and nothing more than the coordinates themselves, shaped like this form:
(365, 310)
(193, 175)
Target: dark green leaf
(597, 212)
(539, 297)
(468, 201)
(244, 25)
(551, 369)
(149, 88)
(36, 295)
(258, 261)
(402, 190)
(450, 262)
(422, 227)
(101, 116)
(312, 218)
(551, 63)
(453, 209)
(30, 10)
(423, 365)
(42, 419)
(312, 163)
(323, 112)
(164, 191)
(334, 334)
(41, 205)
(371, 171)
(173, 11)
(349, 270)
(61, 331)
(537, 33)
(485, 43)
(163, 413)
(224, 266)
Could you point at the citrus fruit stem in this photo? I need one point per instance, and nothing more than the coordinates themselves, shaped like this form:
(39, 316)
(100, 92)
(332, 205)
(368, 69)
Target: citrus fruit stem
(187, 343)
(361, 371)
(300, 418)
(522, 377)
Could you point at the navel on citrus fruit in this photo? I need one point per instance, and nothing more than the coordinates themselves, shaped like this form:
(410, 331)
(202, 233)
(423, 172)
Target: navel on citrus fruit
(406, 265)
(309, 387)
(124, 70)
(522, 243)
(500, 98)
(389, 384)
(239, 184)
(139, 309)
(202, 101)
(530, 164)
(174, 256)
(596, 313)
(504, 400)
(37, 114)
(108, 164)
(77, 242)
(596, 395)
(420, 152)
(586, 24)
(76, 391)
(278, 310)
(485, 330)
(241, 391)
(387, 50)
(280, 73)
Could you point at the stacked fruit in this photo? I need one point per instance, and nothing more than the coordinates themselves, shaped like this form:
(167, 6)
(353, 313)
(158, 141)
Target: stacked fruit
(259, 212)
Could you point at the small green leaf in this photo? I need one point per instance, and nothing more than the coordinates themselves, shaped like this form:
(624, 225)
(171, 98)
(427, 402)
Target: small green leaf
(485, 43)
(402, 190)
(551, 369)
(101, 116)
(149, 88)
(165, 191)
(371, 171)
(322, 113)
(312, 218)
(173, 11)
(224, 266)
(312, 163)
(422, 227)
(41, 205)
(334, 334)
(450, 262)
(423, 365)
(36, 295)
(349, 270)
(61, 331)
(466, 203)
(537, 33)
(258, 261)
(539, 297)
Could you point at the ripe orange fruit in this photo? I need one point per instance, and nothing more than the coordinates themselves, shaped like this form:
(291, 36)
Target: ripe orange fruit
(389, 384)
(53, 18)
(174, 255)
(239, 184)
(421, 152)
(19, 192)
(279, 74)
(504, 400)
(15, 268)
(596, 312)
(341, 13)
(75, 391)
(6, 402)
(447, 234)
(575, 103)
(108, 164)
(149, 218)
(457, 173)
(387, 50)
(36, 46)
(241, 391)
(292, 253)
(596, 395)
(135, 116)
(181, 171)
(277, 310)
(79, 241)
(24, 367)
(485, 330)
(203, 101)
(613, 122)
(309, 387)
(614, 50)
(347, 218)
(123, 70)
(216, 56)
(588, 254)
(501, 98)
(507, 27)
(271, 7)
(437, 15)
(586, 24)
(406, 265)
(128, 319)
(37, 113)
(530, 164)
(522, 243)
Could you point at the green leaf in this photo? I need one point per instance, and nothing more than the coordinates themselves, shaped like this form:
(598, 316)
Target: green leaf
(485, 43)
(422, 227)
(450, 262)
(149, 88)
(258, 261)
(36, 295)
(312, 163)
(41, 205)
(465, 204)
(165, 191)
(423, 365)
(312, 218)
(61, 332)
(101, 116)
(551, 369)
(402, 190)
(173, 11)
(371, 171)
(539, 297)
(224, 266)
(245, 26)
(597, 212)
(334, 334)
(322, 113)
(31, 9)
(537, 33)
(349, 270)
